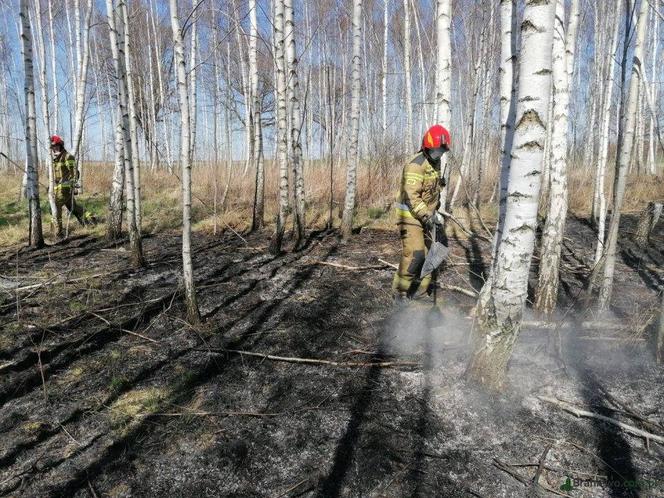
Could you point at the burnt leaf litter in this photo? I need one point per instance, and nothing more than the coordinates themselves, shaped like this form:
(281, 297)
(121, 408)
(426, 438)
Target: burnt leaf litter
(106, 390)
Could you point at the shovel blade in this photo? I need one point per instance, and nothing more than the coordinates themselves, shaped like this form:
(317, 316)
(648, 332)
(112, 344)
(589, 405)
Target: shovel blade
(437, 254)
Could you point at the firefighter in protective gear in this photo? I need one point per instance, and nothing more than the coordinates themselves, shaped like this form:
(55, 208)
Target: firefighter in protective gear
(65, 175)
(417, 208)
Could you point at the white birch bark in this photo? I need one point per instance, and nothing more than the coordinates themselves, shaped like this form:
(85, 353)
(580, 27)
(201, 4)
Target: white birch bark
(133, 119)
(353, 159)
(599, 195)
(443, 79)
(652, 148)
(259, 185)
(36, 237)
(193, 79)
(554, 227)
(508, 86)
(407, 76)
(54, 73)
(83, 45)
(626, 143)
(116, 30)
(281, 132)
(295, 123)
(185, 158)
(385, 67)
(43, 83)
(500, 306)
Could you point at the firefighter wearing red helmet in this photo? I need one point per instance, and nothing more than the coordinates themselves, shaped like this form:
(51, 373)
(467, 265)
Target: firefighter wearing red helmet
(417, 208)
(65, 174)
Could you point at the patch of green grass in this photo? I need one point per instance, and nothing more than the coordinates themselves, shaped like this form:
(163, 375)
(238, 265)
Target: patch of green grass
(375, 213)
(117, 383)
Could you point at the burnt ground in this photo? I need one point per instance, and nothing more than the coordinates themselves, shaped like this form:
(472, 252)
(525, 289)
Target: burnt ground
(89, 408)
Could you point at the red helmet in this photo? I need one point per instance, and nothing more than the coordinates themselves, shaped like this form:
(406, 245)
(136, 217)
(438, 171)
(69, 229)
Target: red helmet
(56, 140)
(435, 137)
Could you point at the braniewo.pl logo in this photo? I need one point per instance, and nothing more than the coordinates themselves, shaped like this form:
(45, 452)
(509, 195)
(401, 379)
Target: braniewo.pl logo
(571, 483)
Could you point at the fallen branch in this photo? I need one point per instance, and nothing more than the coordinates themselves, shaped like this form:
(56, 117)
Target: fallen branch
(463, 228)
(590, 325)
(584, 413)
(508, 469)
(124, 330)
(455, 288)
(59, 282)
(312, 361)
(347, 267)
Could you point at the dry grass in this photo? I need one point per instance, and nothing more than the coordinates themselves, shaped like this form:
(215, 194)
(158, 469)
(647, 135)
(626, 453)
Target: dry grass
(377, 188)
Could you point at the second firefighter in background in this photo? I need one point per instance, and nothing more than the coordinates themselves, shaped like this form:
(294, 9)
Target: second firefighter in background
(417, 207)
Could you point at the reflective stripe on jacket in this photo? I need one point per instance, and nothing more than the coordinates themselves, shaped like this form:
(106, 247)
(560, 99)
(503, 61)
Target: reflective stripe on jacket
(420, 189)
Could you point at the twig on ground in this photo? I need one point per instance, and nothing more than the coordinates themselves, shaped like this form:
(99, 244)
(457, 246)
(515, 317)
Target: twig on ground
(540, 465)
(312, 361)
(509, 470)
(590, 325)
(69, 434)
(292, 488)
(92, 490)
(584, 413)
(347, 267)
(124, 330)
(463, 228)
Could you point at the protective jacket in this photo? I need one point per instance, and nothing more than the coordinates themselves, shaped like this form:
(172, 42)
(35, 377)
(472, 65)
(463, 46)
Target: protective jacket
(419, 196)
(420, 190)
(64, 169)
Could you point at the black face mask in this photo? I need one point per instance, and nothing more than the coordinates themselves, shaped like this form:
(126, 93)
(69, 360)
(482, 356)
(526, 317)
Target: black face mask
(436, 154)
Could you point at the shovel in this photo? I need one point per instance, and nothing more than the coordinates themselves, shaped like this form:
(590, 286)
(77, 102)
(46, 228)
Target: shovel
(438, 253)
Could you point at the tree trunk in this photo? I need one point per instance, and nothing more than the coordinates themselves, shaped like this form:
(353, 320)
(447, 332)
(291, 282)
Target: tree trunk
(647, 221)
(43, 80)
(117, 40)
(295, 123)
(500, 306)
(81, 81)
(281, 131)
(599, 195)
(185, 158)
(408, 145)
(36, 237)
(133, 119)
(353, 159)
(554, 227)
(508, 86)
(383, 76)
(622, 163)
(443, 80)
(257, 222)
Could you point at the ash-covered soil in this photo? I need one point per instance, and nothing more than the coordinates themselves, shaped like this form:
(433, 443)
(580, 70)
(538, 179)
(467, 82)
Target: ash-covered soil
(106, 390)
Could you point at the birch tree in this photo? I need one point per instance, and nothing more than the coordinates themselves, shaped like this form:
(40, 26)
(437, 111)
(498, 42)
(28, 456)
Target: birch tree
(185, 159)
(281, 132)
(116, 31)
(36, 237)
(508, 86)
(407, 75)
(133, 119)
(599, 194)
(83, 48)
(353, 156)
(295, 123)
(554, 226)
(259, 186)
(443, 78)
(501, 302)
(43, 84)
(626, 143)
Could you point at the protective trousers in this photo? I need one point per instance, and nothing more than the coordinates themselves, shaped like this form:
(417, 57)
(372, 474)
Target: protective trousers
(64, 197)
(415, 244)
